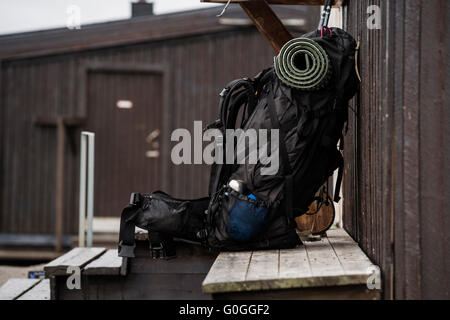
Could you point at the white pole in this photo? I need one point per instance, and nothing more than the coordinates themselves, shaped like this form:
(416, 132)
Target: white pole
(87, 159)
(82, 202)
(90, 189)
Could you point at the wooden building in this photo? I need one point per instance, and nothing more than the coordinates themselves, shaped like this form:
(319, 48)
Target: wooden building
(396, 197)
(396, 181)
(132, 82)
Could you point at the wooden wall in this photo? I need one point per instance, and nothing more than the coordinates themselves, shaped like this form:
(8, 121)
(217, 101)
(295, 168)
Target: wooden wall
(396, 189)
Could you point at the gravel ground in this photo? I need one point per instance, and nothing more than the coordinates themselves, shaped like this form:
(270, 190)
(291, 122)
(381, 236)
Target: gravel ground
(7, 272)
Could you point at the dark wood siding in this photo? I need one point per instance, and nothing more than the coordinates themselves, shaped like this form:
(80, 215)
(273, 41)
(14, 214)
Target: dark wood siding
(121, 134)
(397, 175)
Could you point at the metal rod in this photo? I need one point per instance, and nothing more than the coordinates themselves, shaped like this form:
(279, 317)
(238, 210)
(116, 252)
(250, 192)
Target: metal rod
(82, 201)
(90, 187)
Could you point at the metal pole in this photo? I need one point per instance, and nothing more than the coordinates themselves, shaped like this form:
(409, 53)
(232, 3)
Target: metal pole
(90, 188)
(82, 202)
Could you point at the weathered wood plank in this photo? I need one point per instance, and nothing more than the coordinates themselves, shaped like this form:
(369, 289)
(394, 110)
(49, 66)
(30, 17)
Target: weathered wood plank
(324, 261)
(107, 264)
(337, 261)
(78, 257)
(13, 288)
(228, 270)
(350, 255)
(294, 263)
(263, 265)
(41, 291)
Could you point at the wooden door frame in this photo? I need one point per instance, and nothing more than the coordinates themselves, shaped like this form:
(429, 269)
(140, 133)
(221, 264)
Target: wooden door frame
(137, 68)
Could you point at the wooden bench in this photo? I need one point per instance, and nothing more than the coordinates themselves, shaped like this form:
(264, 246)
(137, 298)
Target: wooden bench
(58, 270)
(332, 268)
(25, 289)
(104, 275)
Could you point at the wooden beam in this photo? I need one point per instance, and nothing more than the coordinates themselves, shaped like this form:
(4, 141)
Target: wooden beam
(53, 122)
(267, 23)
(287, 2)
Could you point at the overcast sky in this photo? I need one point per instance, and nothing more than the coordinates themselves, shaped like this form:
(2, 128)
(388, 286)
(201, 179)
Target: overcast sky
(32, 15)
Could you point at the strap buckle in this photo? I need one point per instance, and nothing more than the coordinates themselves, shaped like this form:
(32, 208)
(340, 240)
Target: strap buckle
(163, 250)
(202, 234)
(135, 198)
(162, 246)
(223, 92)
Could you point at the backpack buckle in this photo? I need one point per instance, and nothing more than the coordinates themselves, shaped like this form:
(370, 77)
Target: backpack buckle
(202, 234)
(223, 92)
(162, 246)
(163, 251)
(135, 198)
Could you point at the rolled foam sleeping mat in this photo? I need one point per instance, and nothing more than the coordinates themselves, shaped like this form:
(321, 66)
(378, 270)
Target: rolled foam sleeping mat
(303, 64)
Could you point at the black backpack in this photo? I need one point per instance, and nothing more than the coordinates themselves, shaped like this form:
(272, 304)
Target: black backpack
(310, 126)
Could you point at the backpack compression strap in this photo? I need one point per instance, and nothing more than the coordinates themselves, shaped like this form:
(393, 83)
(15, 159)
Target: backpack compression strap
(289, 186)
(337, 187)
(127, 226)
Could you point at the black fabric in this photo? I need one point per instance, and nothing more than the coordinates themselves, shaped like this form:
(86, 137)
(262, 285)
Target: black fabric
(276, 125)
(164, 217)
(311, 124)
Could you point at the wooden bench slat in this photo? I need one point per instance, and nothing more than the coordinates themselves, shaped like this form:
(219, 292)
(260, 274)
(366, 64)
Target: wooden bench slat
(13, 288)
(41, 291)
(107, 264)
(351, 257)
(345, 247)
(323, 259)
(263, 265)
(77, 257)
(230, 266)
(333, 261)
(294, 263)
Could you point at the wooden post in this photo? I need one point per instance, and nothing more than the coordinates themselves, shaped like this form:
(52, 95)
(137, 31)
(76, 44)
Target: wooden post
(61, 123)
(59, 192)
(267, 23)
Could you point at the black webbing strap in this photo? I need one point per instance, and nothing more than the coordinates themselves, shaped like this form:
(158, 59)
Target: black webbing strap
(287, 170)
(127, 228)
(337, 188)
